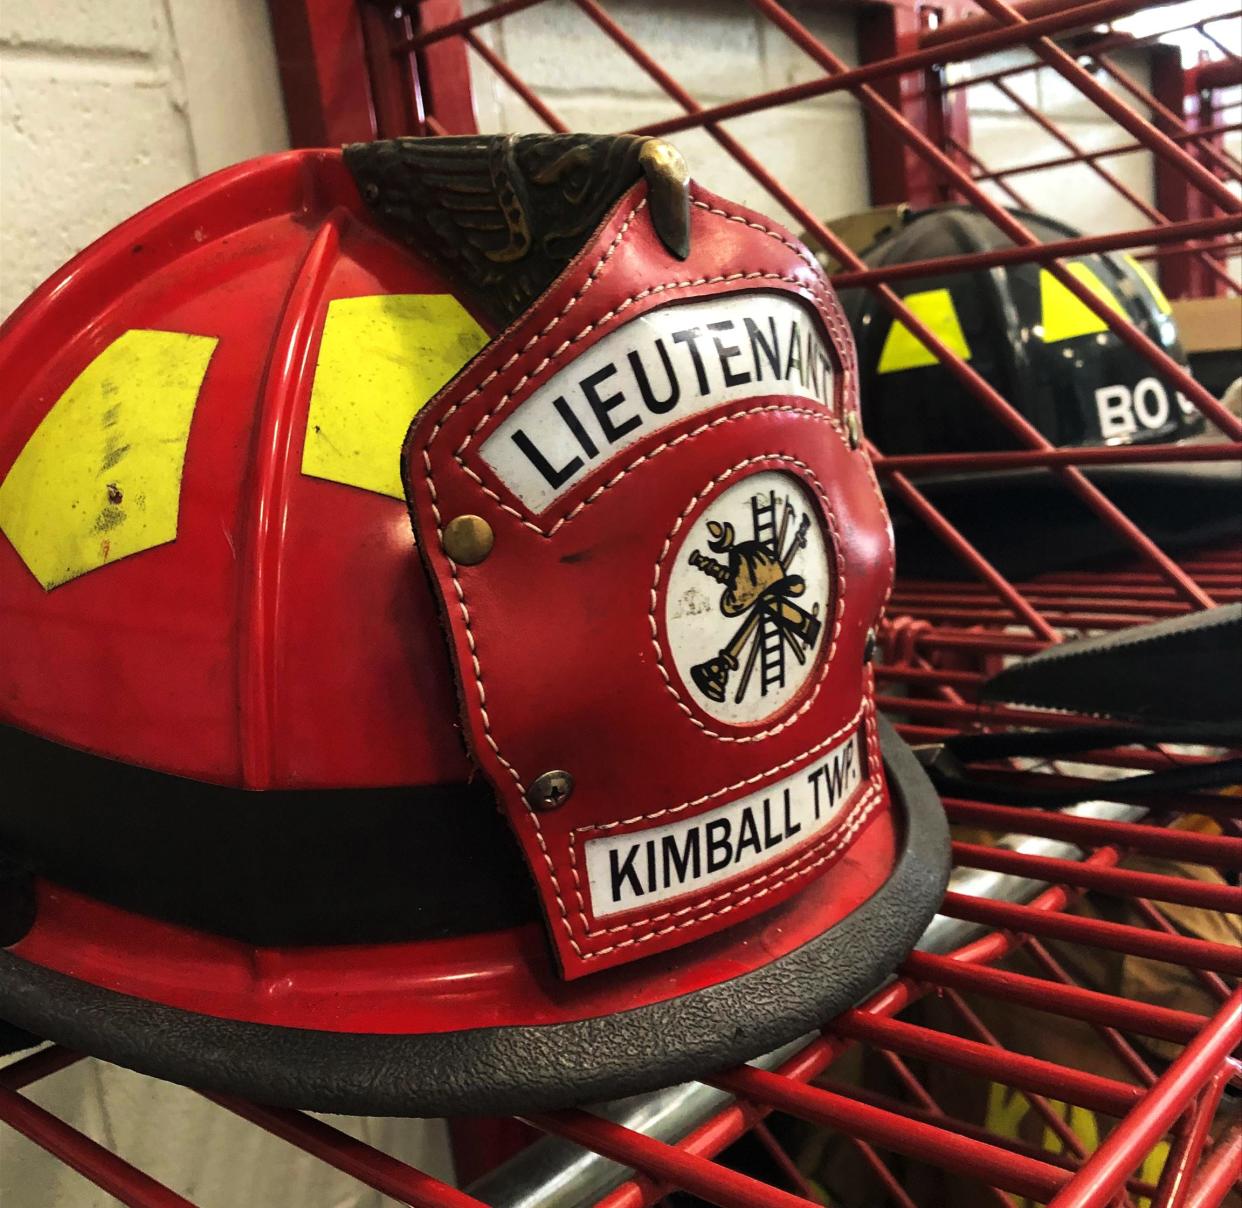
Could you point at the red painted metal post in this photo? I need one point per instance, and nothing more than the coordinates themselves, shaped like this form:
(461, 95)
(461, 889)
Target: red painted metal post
(396, 98)
(443, 70)
(1184, 277)
(323, 71)
(899, 174)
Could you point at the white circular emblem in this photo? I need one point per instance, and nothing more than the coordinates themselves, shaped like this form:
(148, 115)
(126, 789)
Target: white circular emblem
(747, 608)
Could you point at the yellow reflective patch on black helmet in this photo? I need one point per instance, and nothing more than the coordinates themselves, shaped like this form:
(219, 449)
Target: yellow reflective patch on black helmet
(1063, 315)
(904, 350)
(1153, 286)
(381, 359)
(100, 478)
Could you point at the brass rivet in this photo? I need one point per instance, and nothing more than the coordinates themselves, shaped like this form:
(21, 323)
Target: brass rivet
(468, 539)
(852, 429)
(551, 790)
(869, 646)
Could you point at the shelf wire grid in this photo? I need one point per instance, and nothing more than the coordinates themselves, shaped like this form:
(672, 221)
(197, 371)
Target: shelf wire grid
(1171, 1066)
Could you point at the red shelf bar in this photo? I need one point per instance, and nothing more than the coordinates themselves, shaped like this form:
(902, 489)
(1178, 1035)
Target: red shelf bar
(1074, 1002)
(1133, 1137)
(90, 1159)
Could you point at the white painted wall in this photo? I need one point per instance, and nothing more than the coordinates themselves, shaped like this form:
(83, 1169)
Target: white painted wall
(106, 105)
(1003, 136)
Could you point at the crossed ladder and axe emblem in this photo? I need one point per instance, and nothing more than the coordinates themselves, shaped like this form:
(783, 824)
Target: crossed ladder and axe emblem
(758, 588)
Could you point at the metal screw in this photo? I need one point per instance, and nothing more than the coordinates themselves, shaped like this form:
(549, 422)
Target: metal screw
(852, 429)
(550, 791)
(869, 646)
(468, 539)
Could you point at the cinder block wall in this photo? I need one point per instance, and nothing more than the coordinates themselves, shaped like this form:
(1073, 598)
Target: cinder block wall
(106, 105)
(717, 50)
(1002, 136)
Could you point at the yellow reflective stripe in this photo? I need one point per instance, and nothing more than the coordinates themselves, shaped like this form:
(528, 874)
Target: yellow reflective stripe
(381, 358)
(100, 478)
(904, 350)
(1007, 1109)
(1152, 285)
(1064, 316)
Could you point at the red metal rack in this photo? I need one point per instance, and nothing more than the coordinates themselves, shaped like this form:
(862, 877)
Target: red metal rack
(1023, 917)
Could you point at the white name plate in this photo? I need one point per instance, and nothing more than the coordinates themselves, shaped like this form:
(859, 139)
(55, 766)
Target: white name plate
(626, 872)
(656, 370)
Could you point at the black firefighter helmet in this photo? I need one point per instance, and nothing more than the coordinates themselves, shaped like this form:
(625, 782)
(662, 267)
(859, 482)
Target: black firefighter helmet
(1023, 331)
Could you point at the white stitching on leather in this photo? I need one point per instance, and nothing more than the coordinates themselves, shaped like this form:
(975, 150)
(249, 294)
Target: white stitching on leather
(842, 833)
(823, 416)
(830, 311)
(601, 827)
(802, 252)
(459, 452)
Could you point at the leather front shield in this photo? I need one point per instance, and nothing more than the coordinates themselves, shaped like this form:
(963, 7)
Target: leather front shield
(687, 558)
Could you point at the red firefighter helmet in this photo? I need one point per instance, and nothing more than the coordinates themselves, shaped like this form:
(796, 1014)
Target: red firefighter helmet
(534, 763)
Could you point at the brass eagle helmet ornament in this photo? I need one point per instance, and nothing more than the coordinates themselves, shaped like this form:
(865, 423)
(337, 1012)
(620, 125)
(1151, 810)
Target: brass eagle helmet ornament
(437, 579)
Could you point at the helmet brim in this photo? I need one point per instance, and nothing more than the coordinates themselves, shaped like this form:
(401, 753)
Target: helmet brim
(519, 1068)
